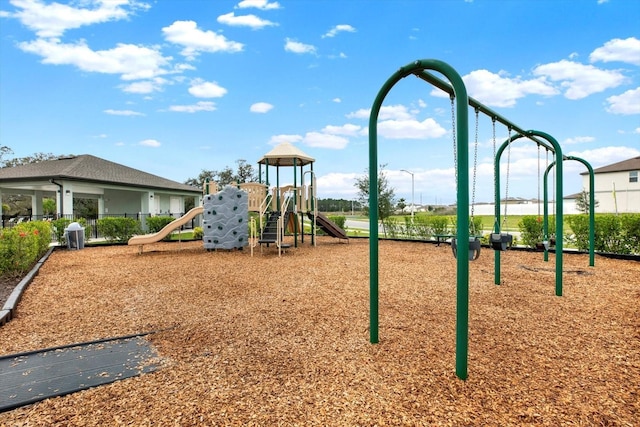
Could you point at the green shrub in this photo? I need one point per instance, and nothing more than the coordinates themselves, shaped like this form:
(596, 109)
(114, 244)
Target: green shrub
(198, 233)
(22, 245)
(421, 227)
(610, 234)
(440, 224)
(631, 232)
(475, 226)
(532, 229)
(338, 220)
(118, 229)
(58, 228)
(392, 229)
(157, 223)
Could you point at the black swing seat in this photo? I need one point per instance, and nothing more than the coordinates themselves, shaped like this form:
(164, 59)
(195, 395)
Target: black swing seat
(474, 248)
(500, 241)
(546, 244)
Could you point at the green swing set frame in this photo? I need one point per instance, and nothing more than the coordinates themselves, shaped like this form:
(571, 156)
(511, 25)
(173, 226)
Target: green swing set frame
(457, 89)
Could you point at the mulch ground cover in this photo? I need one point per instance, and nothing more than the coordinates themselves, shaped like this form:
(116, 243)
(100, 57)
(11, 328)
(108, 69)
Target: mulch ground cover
(268, 340)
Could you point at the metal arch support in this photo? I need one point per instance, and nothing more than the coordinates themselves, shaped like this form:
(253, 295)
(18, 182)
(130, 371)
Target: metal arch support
(557, 151)
(462, 128)
(592, 202)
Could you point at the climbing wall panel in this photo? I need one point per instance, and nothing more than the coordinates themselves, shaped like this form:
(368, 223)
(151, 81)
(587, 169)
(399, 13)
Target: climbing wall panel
(226, 216)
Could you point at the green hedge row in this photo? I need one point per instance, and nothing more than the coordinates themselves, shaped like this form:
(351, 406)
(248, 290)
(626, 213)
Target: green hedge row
(22, 245)
(117, 229)
(618, 234)
(426, 227)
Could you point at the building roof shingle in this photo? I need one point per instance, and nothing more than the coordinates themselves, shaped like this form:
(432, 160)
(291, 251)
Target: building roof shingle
(90, 168)
(631, 164)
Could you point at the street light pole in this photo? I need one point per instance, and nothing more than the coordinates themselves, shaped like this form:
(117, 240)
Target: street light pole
(412, 192)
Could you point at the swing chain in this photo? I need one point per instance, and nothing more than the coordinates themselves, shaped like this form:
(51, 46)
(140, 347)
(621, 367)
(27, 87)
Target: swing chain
(475, 168)
(538, 201)
(506, 190)
(453, 131)
(495, 177)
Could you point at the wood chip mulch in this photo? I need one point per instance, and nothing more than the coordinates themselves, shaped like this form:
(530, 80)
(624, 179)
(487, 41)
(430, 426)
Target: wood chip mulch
(268, 341)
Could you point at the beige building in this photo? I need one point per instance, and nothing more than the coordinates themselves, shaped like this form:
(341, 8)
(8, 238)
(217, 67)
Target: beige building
(617, 186)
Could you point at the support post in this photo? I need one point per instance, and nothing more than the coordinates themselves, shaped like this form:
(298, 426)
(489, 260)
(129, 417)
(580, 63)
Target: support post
(462, 262)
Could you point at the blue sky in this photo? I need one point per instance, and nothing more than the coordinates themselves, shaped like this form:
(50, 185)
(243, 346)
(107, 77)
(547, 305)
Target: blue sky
(173, 87)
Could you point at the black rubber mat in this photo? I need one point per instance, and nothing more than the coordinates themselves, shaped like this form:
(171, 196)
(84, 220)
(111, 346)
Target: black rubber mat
(27, 378)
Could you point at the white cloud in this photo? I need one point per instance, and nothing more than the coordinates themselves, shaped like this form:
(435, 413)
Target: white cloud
(410, 129)
(578, 140)
(362, 113)
(132, 62)
(626, 103)
(297, 47)
(146, 86)
(279, 139)
(578, 80)
(123, 113)
(324, 140)
(194, 40)
(627, 50)
(150, 143)
(261, 107)
(258, 4)
(251, 21)
(394, 112)
(53, 19)
(387, 112)
(194, 108)
(201, 89)
(497, 90)
(336, 100)
(338, 183)
(346, 129)
(338, 29)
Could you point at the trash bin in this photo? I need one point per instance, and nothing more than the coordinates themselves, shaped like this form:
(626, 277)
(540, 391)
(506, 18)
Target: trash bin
(75, 236)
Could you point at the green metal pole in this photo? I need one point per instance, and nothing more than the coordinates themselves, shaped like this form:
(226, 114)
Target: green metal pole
(545, 223)
(592, 205)
(462, 212)
(295, 203)
(462, 261)
(559, 206)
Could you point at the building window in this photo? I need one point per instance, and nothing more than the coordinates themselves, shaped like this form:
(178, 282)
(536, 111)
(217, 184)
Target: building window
(633, 176)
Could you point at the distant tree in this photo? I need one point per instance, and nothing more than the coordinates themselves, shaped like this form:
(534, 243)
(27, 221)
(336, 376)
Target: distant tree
(244, 173)
(386, 194)
(17, 203)
(402, 203)
(582, 202)
(48, 206)
(4, 151)
(35, 158)
(337, 205)
(85, 208)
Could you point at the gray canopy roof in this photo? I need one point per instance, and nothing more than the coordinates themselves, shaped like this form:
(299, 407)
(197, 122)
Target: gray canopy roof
(284, 155)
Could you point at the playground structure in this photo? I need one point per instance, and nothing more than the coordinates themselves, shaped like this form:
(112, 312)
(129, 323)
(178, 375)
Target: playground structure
(464, 241)
(279, 209)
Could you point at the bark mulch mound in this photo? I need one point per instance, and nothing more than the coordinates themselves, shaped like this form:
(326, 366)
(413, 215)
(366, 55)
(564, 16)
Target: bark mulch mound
(265, 340)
